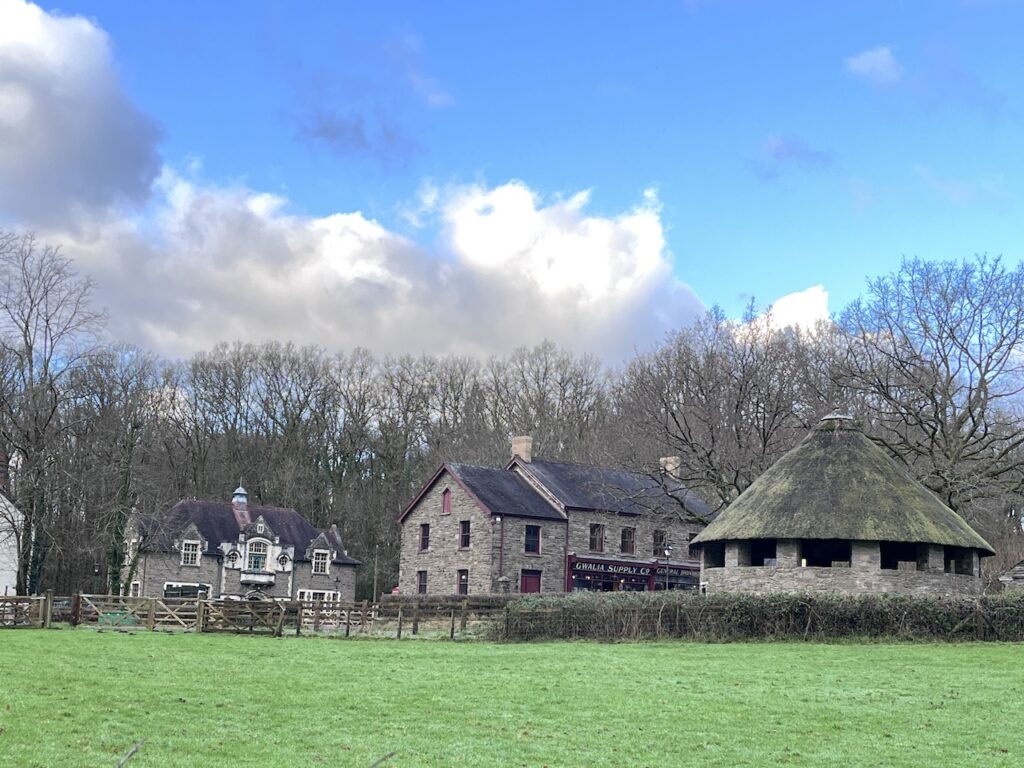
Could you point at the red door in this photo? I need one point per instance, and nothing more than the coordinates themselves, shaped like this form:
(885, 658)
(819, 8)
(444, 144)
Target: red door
(530, 581)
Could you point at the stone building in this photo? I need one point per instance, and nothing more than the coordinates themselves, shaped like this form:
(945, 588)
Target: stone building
(1013, 579)
(235, 550)
(10, 521)
(837, 514)
(548, 526)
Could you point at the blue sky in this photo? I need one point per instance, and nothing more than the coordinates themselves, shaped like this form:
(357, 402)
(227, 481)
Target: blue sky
(779, 146)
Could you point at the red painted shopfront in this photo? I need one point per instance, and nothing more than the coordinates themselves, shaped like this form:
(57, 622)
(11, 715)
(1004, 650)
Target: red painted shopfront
(601, 575)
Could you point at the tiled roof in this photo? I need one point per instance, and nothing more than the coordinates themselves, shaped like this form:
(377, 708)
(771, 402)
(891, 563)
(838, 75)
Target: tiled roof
(217, 521)
(504, 492)
(581, 486)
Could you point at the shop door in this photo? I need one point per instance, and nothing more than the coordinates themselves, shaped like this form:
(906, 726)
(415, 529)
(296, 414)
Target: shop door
(530, 581)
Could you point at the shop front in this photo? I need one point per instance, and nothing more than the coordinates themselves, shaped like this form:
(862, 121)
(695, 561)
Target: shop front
(599, 575)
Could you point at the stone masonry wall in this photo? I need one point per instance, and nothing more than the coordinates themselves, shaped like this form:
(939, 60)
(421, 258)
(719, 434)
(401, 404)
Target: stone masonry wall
(445, 558)
(550, 562)
(679, 534)
(863, 576)
(157, 568)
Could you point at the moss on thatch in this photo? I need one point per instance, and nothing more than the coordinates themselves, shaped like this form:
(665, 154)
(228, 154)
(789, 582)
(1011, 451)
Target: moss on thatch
(837, 484)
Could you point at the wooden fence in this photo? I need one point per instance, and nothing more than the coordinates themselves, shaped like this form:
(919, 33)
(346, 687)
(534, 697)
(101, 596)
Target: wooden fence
(25, 612)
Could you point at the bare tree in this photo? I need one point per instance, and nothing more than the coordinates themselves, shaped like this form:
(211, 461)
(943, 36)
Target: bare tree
(935, 350)
(47, 330)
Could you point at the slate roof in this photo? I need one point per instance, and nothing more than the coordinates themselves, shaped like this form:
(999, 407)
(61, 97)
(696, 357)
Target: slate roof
(837, 484)
(1014, 574)
(504, 492)
(585, 487)
(217, 522)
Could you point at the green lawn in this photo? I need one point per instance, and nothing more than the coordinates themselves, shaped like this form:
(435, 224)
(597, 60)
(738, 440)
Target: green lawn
(81, 698)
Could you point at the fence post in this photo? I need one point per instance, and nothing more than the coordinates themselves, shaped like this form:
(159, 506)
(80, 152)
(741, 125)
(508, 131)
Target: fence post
(151, 615)
(452, 633)
(200, 618)
(506, 621)
(399, 622)
(299, 607)
(348, 619)
(362, 618)
(416, 617)
(76, 609)
(317, 607)
(47, 616)
(462, 619)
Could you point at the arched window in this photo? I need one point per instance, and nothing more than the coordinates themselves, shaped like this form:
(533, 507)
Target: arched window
(446, 502)
(257, 556)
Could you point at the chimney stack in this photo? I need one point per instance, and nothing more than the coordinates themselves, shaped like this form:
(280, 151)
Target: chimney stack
(522, 447)
(670, 466)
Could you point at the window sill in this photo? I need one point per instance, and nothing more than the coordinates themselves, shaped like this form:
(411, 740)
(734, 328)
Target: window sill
(532, 554)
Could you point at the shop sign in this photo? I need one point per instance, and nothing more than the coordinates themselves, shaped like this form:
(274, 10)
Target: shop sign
(620, 569)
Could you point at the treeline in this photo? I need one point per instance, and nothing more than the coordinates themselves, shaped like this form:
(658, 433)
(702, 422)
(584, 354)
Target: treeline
(930, 358)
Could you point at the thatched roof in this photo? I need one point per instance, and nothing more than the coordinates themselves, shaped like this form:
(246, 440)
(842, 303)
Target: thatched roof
(837, 484)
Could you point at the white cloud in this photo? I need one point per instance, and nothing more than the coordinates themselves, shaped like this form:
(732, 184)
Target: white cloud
(71, 143)
(877, 66)
(802, 309)
(197, 262)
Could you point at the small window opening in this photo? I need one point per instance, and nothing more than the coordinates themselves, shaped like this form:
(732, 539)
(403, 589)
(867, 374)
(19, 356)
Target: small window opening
(714, 555)
(421, 582)
(824, 553)
(893, 553)
(446, 502)
(531, 543)
(959, 560)
(596, 537)
(762, 552)
(464, 534)
(463, 582)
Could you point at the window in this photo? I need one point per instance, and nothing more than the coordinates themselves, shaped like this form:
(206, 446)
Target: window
(713, 555)
(532, 543)
(424, 537)
(190, 553)
(174, 589)
(135, 590)
(660, 544)
(763, 552)
(259, 528)
(596, 537)
(446, 502)
(824, 553)
(463, 582)
(464, 534)
(628, 543)
(312, 595)
(319, 561)
(421, 582)
(233, 558)
(257, 555)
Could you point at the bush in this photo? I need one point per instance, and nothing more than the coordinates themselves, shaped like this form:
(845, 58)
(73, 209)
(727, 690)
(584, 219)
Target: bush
(726, 617)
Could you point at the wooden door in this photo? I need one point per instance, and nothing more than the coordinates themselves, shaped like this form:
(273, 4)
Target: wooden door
(530, 581)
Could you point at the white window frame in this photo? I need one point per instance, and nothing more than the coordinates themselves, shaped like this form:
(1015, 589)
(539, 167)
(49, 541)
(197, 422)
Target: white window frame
(135, 589)
(249, 553)
(209, 587)
(199, 553)
(326, 559)
(329, 595)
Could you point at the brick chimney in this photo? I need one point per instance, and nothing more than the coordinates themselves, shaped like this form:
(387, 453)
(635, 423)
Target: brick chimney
(240, 506)
(670, 466)
(522, 447)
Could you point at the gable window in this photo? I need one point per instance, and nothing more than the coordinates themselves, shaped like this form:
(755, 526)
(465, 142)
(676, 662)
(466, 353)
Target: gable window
(259, 528)
(424, 537)
(464, 534)
(532, 541)
(463, 582)
(596, 537)
(421, 582)
(628, 543)
(446, 502)
(257, 556)
(660, 543)
(319, 561)
(190, 553)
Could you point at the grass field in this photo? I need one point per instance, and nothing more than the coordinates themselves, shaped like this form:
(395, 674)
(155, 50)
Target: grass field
(81, 698)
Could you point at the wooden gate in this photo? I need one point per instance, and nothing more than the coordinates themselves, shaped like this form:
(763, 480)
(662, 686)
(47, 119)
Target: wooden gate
(22, 612)
(243, 616)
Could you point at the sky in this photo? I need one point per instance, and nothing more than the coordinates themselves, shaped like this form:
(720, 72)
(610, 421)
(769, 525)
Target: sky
(472, 177)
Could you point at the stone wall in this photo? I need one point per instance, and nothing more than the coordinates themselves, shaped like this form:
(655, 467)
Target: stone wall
(679, 533)
(155, 569)
(339, 578)
(550, 562)
(445, 558)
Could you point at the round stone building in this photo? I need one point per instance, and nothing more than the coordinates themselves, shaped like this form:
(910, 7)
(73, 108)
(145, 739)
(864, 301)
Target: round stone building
(837, 514)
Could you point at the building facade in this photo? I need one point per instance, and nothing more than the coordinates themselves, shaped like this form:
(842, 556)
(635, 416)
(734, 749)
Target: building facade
(837, 514)
(10, 521)
(545, 526)
(222, 550)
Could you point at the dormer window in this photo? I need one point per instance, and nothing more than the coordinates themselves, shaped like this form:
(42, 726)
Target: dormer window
(257, 556)
(190, 553)
(260, 528)
(320, 560)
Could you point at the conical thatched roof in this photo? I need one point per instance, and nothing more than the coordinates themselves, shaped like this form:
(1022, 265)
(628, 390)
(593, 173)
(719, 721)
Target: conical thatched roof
(837, 484)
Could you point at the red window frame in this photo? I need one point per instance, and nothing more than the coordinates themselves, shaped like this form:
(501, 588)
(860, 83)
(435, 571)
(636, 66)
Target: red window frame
(462, 581)
(526, 539)
(464, 534)
(424, 537)
(421, 582)
(446, 502)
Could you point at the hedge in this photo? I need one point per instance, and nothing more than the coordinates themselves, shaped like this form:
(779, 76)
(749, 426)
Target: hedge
(727, 617)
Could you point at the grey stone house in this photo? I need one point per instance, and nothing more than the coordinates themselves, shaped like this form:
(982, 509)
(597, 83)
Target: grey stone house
(548, 526)
(837, 514)
(234, 550)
